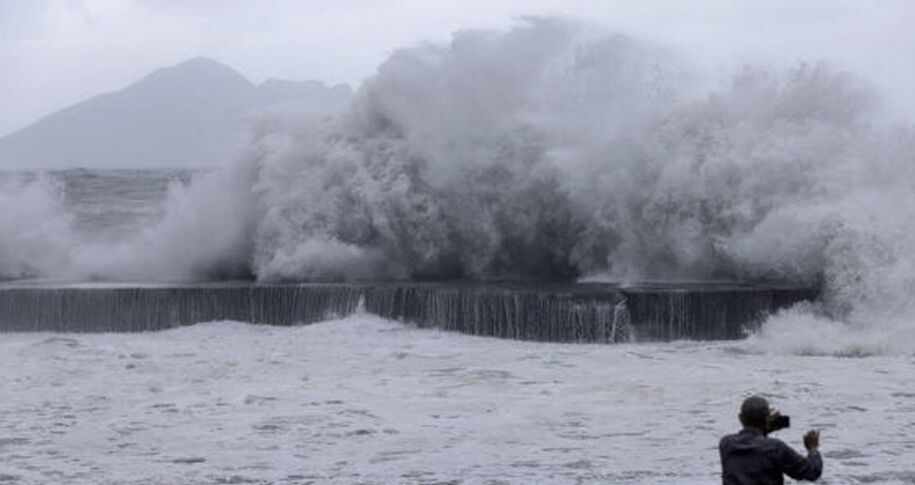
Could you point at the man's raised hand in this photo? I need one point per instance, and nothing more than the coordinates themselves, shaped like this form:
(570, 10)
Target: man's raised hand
(812, 440)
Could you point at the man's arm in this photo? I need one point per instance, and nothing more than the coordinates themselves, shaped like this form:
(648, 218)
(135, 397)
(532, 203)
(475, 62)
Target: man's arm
(803, 468)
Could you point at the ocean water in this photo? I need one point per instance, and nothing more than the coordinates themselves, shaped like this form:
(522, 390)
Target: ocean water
(366, 400)
(106, 204)
(545, 151)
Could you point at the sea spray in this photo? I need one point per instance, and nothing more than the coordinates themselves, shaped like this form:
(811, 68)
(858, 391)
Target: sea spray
(497, 157)
(544, 152)
(35, 230)
(202, 235)
(548, 152)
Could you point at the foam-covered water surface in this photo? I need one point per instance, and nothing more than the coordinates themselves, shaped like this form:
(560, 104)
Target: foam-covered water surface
(367, 400)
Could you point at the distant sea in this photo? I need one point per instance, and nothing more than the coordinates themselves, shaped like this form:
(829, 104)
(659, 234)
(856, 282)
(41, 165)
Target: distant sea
(109, 204)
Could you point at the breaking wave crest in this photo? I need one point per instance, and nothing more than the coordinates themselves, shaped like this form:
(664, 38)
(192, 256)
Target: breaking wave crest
(203, 235)
(552, 151)
(35, 233)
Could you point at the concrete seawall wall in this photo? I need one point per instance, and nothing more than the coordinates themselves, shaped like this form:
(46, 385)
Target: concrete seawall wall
(543, 312)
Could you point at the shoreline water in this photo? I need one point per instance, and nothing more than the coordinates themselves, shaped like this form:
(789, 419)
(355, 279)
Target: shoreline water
(373, 401)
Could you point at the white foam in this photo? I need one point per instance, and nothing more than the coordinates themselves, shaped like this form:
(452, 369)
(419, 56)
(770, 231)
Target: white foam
(203, 234)
(372, 401)
(35, 235)
(549, 150)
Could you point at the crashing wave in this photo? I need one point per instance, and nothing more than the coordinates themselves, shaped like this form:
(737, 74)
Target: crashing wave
(549, 151)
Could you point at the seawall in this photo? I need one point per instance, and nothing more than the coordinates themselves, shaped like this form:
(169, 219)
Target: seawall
(542, 312)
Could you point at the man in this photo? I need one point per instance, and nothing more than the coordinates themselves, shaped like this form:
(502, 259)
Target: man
(750, 457)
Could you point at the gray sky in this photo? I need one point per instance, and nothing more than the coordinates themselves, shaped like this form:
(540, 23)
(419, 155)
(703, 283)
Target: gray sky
(57, 52)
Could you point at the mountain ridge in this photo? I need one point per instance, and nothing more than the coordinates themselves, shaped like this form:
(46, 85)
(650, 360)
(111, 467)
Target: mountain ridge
(195, 113)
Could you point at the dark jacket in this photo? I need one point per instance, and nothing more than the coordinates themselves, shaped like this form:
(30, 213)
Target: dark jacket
(751, 458)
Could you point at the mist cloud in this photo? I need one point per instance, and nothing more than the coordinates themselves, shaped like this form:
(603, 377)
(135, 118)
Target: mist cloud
(58, 52)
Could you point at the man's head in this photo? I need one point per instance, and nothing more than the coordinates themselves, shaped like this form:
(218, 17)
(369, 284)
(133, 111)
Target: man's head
(754, 413)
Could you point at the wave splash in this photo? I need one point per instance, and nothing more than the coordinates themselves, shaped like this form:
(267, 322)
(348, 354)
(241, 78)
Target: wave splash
(35, 230)
(551, 151)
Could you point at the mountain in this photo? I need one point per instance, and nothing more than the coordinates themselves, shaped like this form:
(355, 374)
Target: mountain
(192, 114)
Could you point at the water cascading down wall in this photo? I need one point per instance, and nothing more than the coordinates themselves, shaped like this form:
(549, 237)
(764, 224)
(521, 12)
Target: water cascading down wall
(542, 312)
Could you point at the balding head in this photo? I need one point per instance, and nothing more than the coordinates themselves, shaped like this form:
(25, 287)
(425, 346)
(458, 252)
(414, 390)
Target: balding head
(754, 412)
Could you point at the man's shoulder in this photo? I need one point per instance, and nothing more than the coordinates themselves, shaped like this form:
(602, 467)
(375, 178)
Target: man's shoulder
(728, 437)
(757, 441)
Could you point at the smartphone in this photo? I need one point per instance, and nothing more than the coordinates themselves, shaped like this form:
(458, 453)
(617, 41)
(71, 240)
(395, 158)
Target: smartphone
(780, 422)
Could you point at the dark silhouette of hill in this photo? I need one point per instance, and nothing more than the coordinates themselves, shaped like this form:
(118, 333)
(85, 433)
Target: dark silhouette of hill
(195, 113)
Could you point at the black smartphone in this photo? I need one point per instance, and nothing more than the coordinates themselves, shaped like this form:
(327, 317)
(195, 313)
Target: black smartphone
(780, 422)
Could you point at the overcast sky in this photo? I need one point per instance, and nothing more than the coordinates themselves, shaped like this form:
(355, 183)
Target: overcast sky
(57, 52)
